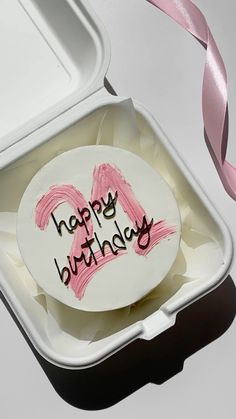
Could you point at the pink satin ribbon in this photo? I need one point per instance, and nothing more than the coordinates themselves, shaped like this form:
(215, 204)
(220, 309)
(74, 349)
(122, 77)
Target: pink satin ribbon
(214, 89)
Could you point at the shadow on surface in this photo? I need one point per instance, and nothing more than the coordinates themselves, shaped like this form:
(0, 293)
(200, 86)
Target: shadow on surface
(142, 362)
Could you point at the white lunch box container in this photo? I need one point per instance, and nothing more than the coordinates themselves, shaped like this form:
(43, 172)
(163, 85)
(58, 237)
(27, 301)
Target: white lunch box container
(56, 54)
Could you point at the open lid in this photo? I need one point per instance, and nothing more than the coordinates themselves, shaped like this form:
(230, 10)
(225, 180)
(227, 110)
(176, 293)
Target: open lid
(54, 54)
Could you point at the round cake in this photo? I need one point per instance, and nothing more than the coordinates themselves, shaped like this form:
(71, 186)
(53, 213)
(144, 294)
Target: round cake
(98, 228)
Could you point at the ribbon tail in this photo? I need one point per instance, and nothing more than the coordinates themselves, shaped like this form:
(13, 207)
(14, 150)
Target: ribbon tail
(214, 88)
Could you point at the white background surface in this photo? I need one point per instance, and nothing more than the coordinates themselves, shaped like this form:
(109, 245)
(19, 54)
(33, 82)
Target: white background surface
(157, 63)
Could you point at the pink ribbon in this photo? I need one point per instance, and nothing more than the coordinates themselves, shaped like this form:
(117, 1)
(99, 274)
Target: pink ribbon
(214, 89)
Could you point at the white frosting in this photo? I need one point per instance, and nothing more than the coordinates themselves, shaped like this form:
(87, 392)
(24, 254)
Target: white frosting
(128, 277)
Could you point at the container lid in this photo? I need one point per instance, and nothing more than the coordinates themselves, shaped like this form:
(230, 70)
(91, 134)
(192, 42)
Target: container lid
(54, 54)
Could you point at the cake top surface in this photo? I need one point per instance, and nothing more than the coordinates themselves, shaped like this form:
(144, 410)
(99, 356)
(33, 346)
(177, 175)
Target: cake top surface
(98, 228)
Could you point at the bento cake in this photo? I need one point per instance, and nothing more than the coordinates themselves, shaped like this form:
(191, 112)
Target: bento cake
(98, 228)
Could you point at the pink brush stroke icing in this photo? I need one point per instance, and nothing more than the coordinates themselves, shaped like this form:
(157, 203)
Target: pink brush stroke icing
(105, 178)
(56, 196)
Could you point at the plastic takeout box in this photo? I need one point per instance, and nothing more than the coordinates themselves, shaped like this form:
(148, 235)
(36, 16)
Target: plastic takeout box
(55, 55)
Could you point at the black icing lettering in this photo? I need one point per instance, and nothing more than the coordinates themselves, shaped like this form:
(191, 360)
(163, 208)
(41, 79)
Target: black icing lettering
(88, 245)
(110, 206)
(60, 225)
(104, 244)
(87, 255)
(144, 231)
(129, 233)
(78, 259)
(73, 222)
(118, 238)
(64, 274)
(85, 216)
(82, 258)
(96, 207)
